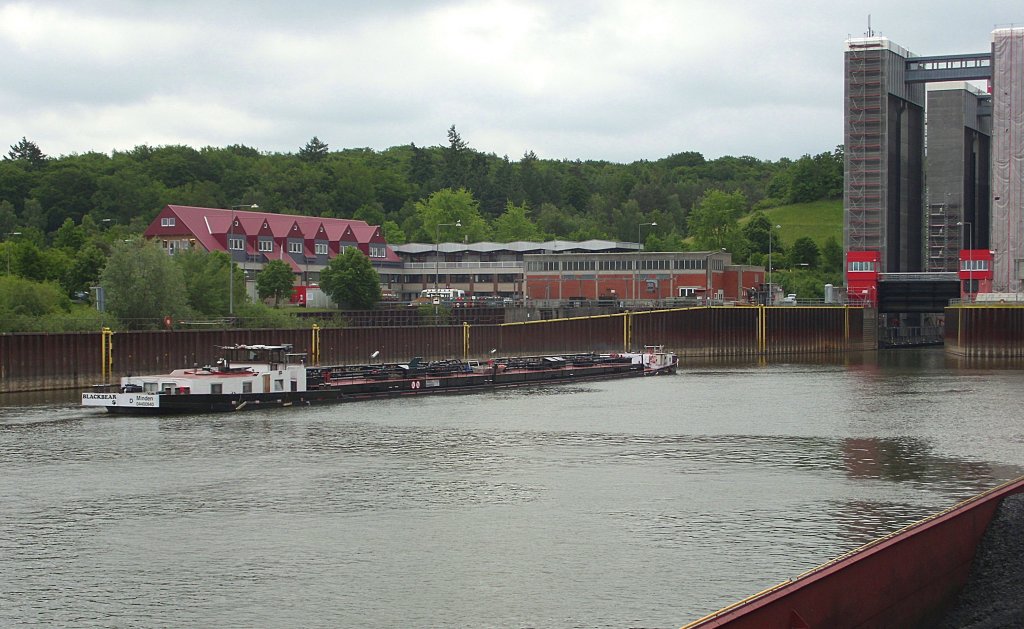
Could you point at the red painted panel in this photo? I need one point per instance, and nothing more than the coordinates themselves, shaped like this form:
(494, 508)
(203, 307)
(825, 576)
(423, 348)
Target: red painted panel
(900, 580)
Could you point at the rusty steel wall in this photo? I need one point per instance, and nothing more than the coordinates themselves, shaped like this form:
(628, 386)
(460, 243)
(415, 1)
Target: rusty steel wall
(812, 330)
(602, 333)
(355, 345)
(50, 361)
(47, 361)
(405, 315)
(985, 331)
(714, 331)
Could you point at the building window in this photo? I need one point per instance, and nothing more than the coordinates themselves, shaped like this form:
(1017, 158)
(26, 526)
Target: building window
(266, 245)
(378, 251)
(974, 265)
(294, 246)
(579, 265)
(858, 267)
(689, 264)
(320, 248)
(236, 243)
(247, 386)
(216, 388)
(167, 221)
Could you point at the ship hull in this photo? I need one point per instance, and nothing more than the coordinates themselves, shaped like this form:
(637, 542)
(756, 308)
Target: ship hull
(369, 389)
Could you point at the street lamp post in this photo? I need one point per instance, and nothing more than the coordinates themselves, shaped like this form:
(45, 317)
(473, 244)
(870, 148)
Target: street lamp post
(231, 257)
(437, 249)
(636, 265)
(9, 250)
(771, 292)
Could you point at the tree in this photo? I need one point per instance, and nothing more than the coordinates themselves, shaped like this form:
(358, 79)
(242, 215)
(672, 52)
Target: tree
(207, 283)
(671, 241)
(143, 285)
(449, 206)
(421, 168)
(85, 269)
(712, 221)
(8, 219)
(758, 231)
(393, 233)
(26, 150)
(515, 224)
(456, 160)
(818, 177)
(314, 151)
(805, 252)
(69, 236)
(351, 281)
(25, 258)
(832, 256)
(24, 298)
(275, 280)
(127, 192)
(804, 283)
(33, 215)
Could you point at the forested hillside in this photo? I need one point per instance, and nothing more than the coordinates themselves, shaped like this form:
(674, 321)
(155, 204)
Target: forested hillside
(59, 216)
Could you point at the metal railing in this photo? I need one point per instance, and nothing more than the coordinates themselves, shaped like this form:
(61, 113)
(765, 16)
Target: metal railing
(511, 264)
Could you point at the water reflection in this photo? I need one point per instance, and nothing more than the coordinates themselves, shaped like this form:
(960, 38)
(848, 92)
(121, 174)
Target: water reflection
(909, 459)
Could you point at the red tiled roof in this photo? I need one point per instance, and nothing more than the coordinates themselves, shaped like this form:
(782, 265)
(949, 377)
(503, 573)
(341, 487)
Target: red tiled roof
(209, 226)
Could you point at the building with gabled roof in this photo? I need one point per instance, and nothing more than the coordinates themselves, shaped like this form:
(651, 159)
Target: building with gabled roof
(479, 269)
(306, 243)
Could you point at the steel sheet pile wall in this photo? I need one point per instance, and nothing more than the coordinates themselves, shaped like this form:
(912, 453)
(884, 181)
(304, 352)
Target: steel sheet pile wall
(355, 345)
(700, 331)
(157, 352)
(48, 361)
(985, 331)
(605, 333)
(160, 352)
(405, 315)
(810, 330)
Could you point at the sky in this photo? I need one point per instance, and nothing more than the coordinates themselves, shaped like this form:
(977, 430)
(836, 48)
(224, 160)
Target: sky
(615, 80)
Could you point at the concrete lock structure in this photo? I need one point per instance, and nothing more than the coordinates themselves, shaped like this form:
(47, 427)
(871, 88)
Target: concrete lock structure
(957, 211)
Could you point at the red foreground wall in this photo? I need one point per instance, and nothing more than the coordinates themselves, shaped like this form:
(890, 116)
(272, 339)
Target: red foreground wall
(902, 580)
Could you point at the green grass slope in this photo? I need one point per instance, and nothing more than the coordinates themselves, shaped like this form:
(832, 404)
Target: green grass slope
(818, 220)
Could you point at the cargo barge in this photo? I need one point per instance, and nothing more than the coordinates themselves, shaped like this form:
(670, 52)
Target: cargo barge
(908, 579)
(260, 376)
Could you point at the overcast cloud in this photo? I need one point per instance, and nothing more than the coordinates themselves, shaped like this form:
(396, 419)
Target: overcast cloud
(613, 80)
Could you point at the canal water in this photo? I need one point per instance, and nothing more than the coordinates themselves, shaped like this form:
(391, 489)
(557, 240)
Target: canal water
(628, 503)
